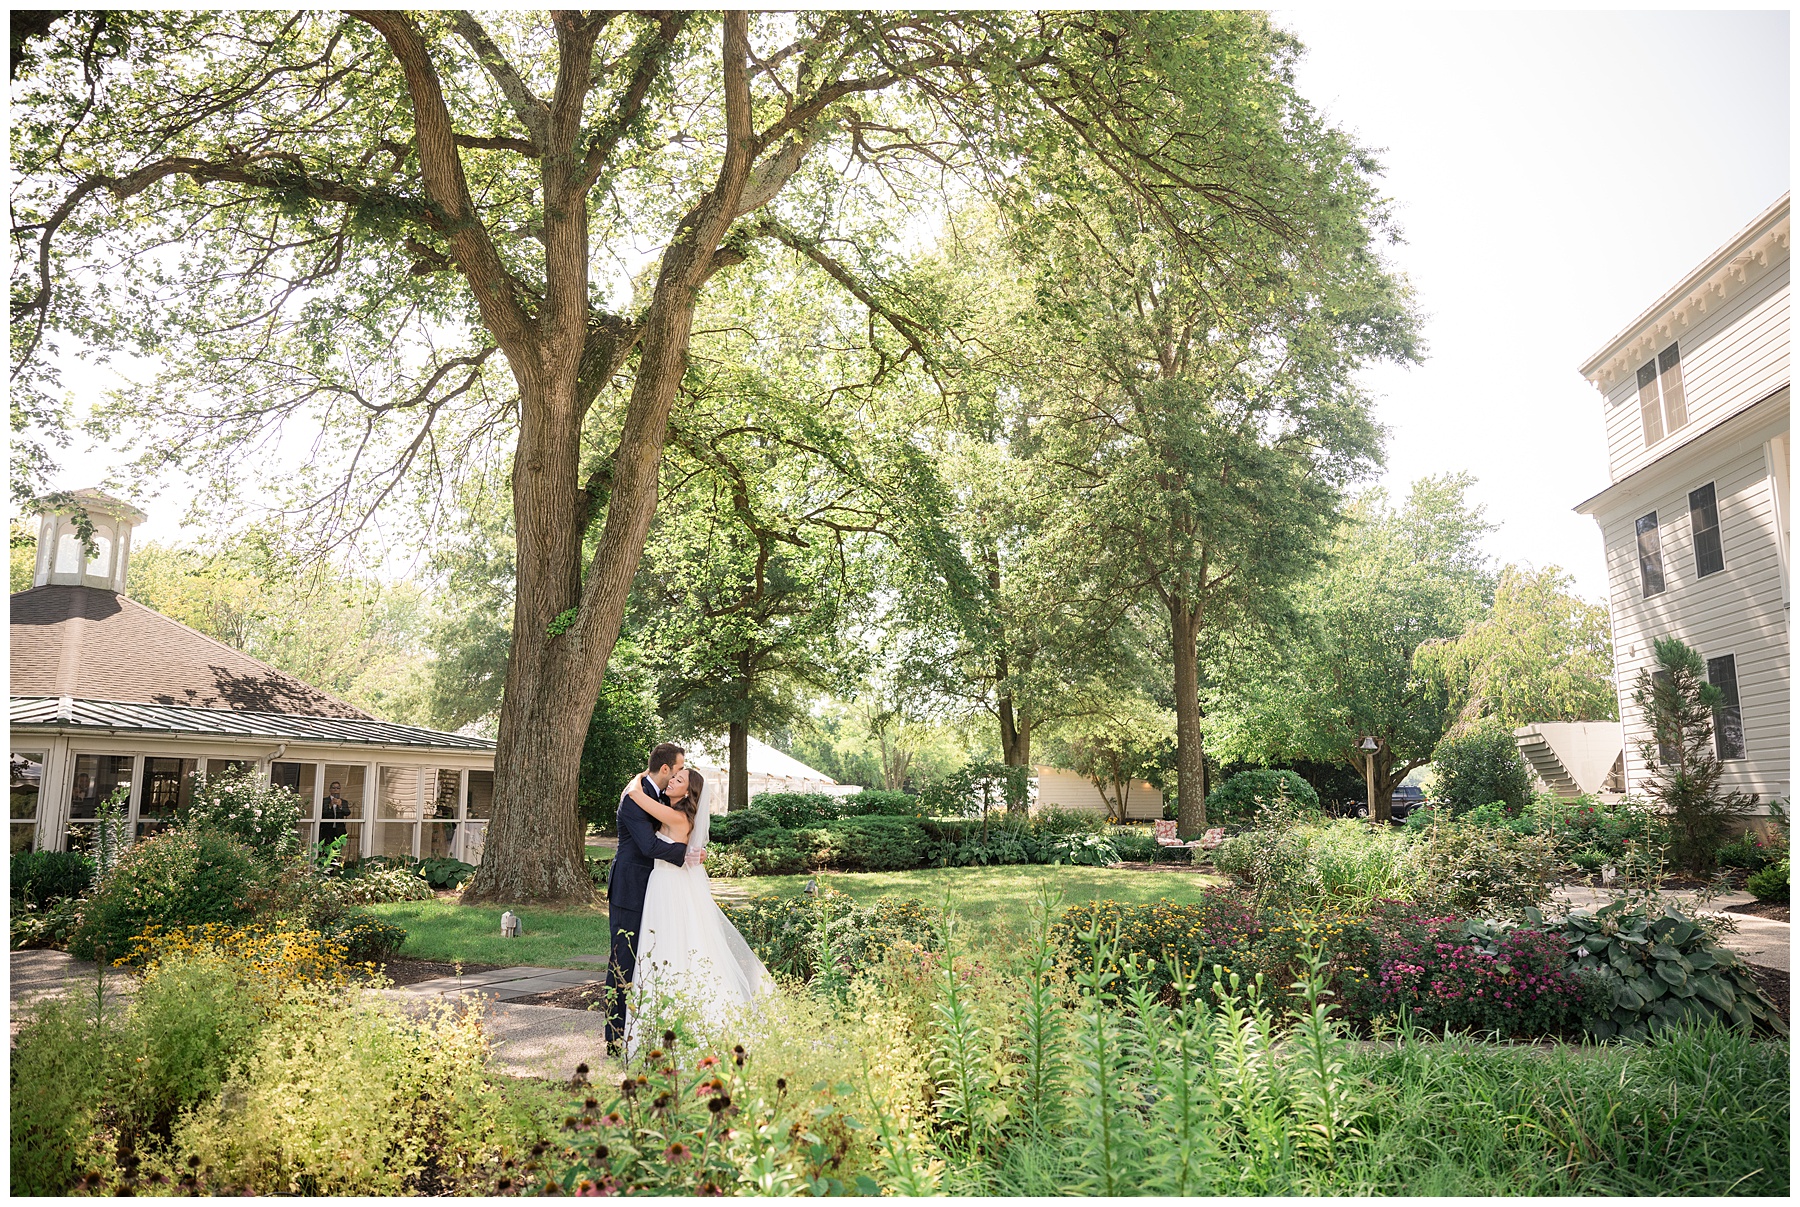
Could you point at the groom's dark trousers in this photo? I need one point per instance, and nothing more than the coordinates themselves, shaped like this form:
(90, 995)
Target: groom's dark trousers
(639, 848)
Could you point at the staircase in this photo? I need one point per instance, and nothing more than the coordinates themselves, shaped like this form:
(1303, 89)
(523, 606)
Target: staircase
(1573, 757)
(1542, 757)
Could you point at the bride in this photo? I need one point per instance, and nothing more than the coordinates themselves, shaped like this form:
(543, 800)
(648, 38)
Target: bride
(689, 949)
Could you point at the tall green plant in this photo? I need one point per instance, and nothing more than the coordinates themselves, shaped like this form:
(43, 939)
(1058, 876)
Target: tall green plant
(1678, 704)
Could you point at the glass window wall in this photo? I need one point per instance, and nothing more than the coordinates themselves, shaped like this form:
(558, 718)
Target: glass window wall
(27, 786)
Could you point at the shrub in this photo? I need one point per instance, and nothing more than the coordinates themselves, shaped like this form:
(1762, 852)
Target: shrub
(1480, 767)
(774, 852)
(1473, 976)
(872, 802)
(1135, 844)
(1748, 851)
(441, 872)
(1314, 863)
(1770, 884)
(270, 957)
(1482, 870)
(264, 817)
(728, 863)
(40, 877)
(1218, 931)
(1663, 970)
(796, 936)
(179, 878)
(1685, 771)
(45, 926)
(735, 827)
(980, 789)
(383, 885)
(1624, 832)
(1084, 850)
(364, 937)
(599, 871)
(1238, 798)
(386, 1105)
(870, 844)
(792, 810)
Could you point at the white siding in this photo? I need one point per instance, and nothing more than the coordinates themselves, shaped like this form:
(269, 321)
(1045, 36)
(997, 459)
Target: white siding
(1061, 789)
(1737, 611)
(1731, 356)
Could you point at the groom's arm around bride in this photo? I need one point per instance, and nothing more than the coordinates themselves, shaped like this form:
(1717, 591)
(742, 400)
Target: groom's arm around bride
(639, 847)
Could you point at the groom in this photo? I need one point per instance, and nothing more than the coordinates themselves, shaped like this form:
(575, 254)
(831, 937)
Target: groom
(630, 877)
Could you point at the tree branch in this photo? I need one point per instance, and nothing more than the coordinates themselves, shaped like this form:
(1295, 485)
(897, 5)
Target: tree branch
(531, 111)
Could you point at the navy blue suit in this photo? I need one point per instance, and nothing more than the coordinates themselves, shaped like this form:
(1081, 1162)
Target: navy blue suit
(639, 848)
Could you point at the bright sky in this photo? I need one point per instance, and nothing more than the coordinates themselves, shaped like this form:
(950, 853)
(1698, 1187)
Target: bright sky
(1555, 174)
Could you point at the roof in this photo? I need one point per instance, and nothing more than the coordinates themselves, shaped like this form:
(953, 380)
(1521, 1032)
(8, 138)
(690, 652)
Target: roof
(1732, 250)
(30, 712)
(1678, 459)
(763, 758)
(93, 644)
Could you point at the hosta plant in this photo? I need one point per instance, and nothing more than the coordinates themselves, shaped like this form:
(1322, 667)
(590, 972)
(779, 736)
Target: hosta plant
(1663, 970)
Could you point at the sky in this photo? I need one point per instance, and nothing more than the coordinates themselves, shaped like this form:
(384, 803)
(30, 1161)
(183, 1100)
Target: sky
(1554, 174)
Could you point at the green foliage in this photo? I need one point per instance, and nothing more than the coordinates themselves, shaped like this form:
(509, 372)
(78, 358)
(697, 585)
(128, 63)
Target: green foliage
(734, 827)
(977, 789)
(1747, 851)
(1315, 863)
(46, 925)
(873, 802)
(1540, 654)
(786, 931)
(1135, 844)
(793, 810)
(1084, 850)
(264, 817)
(619, 737)
(1769, 884)
(1664, 970)
(40, 877)
(1481, 767)
(59, 1063)
(179, 878)
(870, 844)
(442, 872)
(1678, 703)
(378, 885)
(364, 937)
(1238, 798)
(773, 852)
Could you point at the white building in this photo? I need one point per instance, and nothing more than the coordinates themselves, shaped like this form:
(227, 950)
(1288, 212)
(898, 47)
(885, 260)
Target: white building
(1696, 519)
(769, 770)
(107, 694)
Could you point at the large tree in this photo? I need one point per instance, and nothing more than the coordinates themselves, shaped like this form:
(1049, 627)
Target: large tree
(354, 220)
(1396, 579)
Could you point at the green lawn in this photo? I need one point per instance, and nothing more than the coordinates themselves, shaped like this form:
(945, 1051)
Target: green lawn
(444, 930)
(993, 902)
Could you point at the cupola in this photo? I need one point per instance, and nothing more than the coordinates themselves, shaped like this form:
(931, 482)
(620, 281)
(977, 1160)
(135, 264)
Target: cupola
(61, 559)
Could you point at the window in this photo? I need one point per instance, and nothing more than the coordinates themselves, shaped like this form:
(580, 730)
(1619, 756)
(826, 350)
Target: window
(479, 808)
(1709, 552)
(1662, 398)
(68, 554)
(1728, 717)
(1649, 544)
(97, 776)
(341, 809)
(27, 786)
(300, 779)
(397, 811)
(168, 791)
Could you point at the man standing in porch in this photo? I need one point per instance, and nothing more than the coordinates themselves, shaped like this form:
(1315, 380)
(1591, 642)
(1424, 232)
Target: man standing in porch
(630, 877)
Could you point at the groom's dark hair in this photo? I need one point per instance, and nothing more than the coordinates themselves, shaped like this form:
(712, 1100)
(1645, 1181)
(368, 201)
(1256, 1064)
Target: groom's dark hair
(663, 755)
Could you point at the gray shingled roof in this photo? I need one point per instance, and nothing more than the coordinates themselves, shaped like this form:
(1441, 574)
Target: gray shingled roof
(108, 716)
(96, 645)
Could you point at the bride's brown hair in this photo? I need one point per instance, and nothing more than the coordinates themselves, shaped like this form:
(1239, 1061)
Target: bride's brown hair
(690, 804)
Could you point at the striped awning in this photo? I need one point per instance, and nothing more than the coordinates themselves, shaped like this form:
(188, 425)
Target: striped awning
(111, 716)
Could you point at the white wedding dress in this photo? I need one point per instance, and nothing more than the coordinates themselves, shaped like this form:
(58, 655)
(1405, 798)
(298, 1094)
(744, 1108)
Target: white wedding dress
(689, 952)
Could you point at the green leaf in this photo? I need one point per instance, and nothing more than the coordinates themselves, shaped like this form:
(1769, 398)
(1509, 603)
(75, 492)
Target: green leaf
(1672, 973)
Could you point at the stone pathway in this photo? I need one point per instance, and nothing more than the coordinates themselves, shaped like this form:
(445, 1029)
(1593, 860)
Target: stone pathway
(1761, 941)
(504, 984)
(37, 976)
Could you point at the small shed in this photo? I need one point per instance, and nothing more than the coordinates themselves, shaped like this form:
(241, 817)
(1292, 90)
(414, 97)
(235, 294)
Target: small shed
(1061, 789)
(108, 694)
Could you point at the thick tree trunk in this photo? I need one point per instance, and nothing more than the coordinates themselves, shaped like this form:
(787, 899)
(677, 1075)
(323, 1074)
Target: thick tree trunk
(1015, 736)
(1190, 752)
(738, 796)
(1385, 783)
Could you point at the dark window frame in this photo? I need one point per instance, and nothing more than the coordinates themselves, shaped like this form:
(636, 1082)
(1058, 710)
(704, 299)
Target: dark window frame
(1728, 718)
(1651, 577)
(1703, 515)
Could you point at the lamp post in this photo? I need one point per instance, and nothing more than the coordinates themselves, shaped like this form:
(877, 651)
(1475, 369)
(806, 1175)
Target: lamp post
(1369, 745)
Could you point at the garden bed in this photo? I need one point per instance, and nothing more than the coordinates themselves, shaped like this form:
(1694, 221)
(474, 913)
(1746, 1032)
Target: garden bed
(1774, 982)
(1775, 911)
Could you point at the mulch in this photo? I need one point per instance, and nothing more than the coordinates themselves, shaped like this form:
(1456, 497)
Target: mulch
(1773, 982)
(402, 971)
(1775, 910)
(579, 997)
(1199, 869)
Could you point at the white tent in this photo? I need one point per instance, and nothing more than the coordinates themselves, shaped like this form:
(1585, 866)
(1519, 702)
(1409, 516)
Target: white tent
(770, 771)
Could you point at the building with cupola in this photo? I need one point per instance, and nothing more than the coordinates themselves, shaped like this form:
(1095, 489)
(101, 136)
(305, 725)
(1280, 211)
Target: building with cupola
(109, 695)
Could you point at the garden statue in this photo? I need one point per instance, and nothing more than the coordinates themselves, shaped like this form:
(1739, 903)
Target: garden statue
(509, 925)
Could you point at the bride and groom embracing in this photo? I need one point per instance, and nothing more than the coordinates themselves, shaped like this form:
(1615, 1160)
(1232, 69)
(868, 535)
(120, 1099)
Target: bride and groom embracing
(669, 937)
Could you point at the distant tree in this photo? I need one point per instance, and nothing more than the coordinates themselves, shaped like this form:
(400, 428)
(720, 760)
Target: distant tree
(1480, 766)
(1682, 709)
(1119, 737)
(1396, 578)
(1541, 653)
